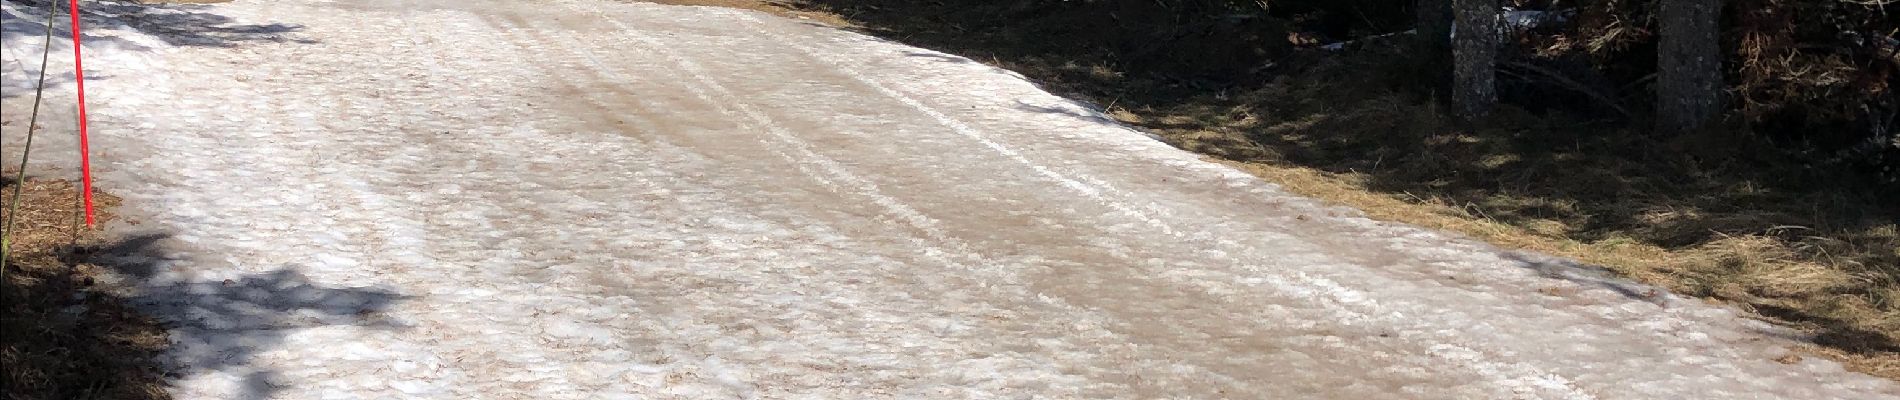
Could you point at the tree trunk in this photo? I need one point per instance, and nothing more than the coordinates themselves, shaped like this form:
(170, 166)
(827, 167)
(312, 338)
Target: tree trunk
(1434, 26)
(1475, 53)
(1689, 65)
(1433, 51)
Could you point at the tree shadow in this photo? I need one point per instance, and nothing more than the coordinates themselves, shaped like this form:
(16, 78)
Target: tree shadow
(175, 24)
(1079, 47)
(64, 336)
(1587, 276)
(220, 326)
(21, 23)
(939, 57)
(1081, 113)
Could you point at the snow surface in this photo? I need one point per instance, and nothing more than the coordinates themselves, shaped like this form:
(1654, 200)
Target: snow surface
(583, 199)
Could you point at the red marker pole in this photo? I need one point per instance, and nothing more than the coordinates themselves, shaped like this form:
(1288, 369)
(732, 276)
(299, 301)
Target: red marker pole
(85, 154)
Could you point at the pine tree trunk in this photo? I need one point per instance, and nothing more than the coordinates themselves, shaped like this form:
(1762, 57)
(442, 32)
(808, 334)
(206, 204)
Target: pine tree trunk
(1689, 63)
(1474, 52)
(1433, 51)
(1434, 26)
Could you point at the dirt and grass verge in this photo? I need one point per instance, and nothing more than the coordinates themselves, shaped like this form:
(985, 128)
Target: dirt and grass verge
(1724, 218)
(66, 335)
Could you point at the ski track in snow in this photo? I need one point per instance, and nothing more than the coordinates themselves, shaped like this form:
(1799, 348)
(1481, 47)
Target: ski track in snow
(588, 199)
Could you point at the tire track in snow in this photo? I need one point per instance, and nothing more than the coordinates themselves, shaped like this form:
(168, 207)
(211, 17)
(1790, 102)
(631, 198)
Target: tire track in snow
(937, 254)
(613, 74)
(710, 365)
(932, 252)
(1510, 377)
(545, 339)
(715, 94)
(840, 179)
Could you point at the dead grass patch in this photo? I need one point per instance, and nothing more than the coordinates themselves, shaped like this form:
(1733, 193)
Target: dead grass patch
(66, 336)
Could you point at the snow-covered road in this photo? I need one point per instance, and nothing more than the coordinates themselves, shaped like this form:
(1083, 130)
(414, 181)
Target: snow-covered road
(581, 199)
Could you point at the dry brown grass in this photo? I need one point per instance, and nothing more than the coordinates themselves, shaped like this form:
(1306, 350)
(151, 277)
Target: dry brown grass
(66, 337)
(1718, 218)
